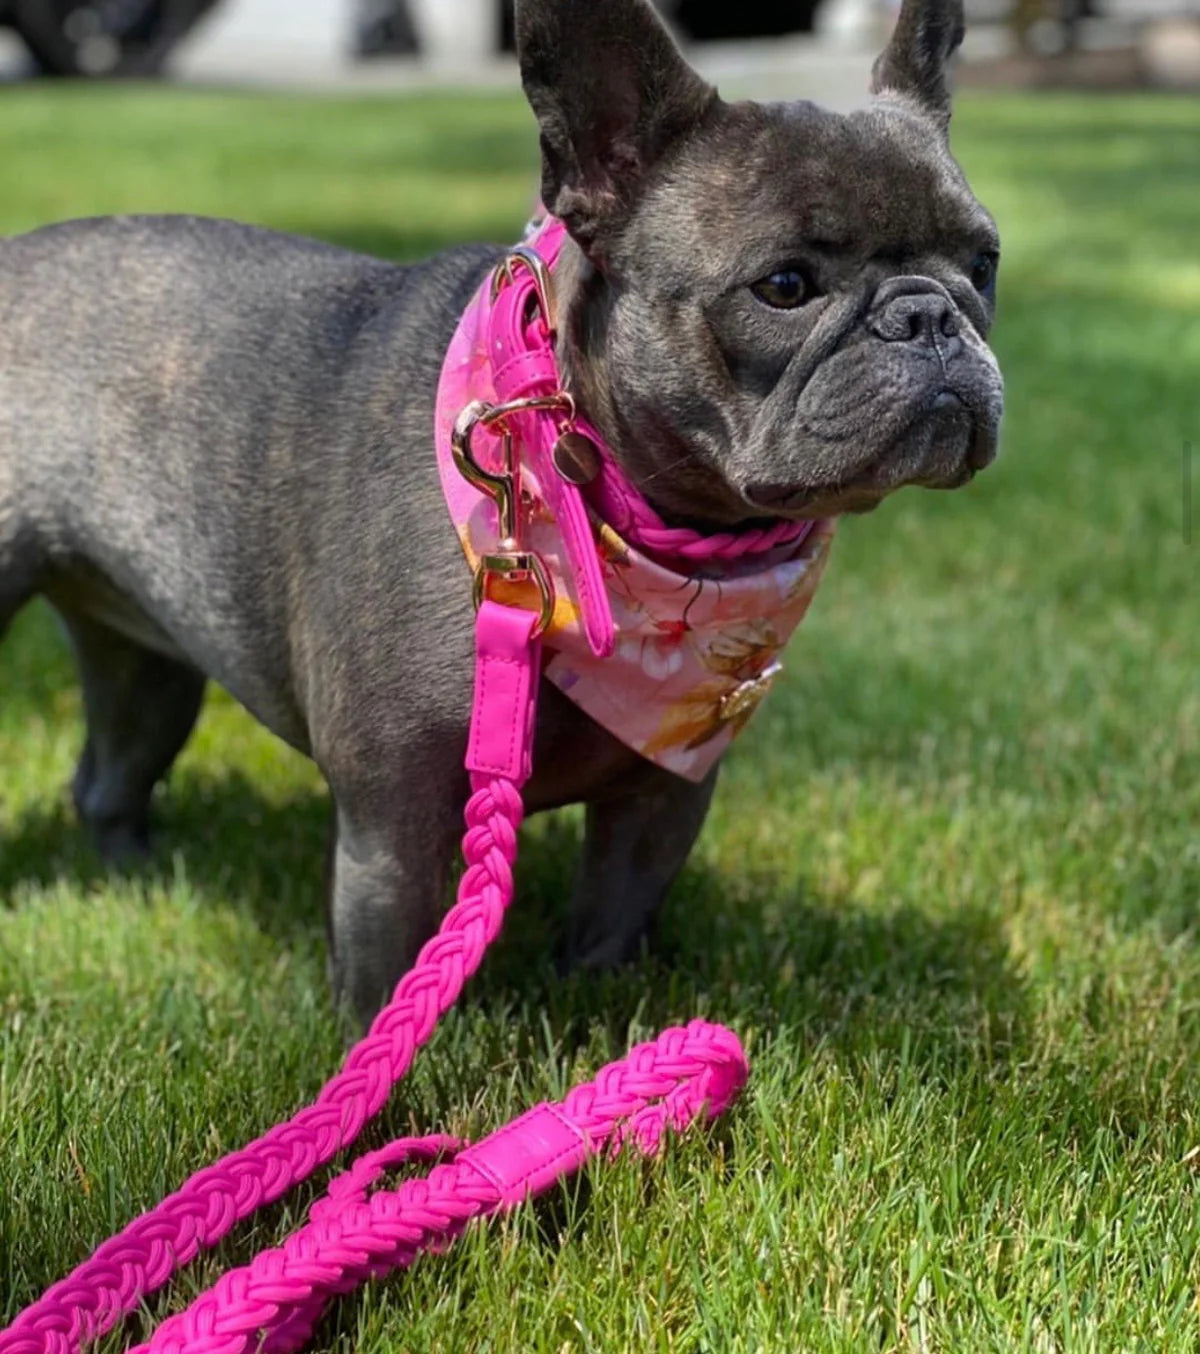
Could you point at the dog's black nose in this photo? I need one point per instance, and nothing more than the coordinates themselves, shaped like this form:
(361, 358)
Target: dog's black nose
(927, 318)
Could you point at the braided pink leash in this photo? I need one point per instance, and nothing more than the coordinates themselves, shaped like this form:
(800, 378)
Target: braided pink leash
(624, 508)
(353, 1238)
(277, 1300)
(352, 1234)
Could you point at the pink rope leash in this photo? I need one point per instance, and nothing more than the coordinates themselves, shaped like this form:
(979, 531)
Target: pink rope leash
(140, 1259)
(620, 504)
(351, 1237)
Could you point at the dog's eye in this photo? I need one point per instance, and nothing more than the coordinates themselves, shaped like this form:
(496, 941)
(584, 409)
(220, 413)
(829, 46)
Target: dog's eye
(983, 272)
(784, 290)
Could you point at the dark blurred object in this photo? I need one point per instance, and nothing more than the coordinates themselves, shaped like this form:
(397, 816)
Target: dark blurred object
(103, 38)
(384, 28)
(1049, 27)
(718, 20)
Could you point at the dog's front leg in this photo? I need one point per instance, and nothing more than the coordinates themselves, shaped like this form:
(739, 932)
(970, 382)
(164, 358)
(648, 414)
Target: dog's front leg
(395, 843)
(634, 847)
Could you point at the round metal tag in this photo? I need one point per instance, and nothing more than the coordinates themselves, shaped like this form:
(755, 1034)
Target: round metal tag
(576, 459)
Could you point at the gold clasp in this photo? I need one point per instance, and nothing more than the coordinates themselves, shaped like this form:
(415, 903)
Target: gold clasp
(510, 563)
(502, 487)
(511, 567)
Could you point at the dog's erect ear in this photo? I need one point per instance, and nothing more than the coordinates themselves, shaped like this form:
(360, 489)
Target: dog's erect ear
(612, 95)
(917, 59)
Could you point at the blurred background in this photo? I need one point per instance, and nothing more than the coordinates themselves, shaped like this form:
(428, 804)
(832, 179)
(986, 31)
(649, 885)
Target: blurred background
(1088, 43)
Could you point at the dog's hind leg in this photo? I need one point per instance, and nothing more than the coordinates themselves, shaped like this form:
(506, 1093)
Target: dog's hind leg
(18, 569)
(141, 707)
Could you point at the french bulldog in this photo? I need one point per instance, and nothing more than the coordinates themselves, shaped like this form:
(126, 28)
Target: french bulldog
(216, 456)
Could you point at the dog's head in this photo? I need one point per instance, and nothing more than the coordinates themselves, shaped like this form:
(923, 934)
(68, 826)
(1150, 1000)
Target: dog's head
(774, 310)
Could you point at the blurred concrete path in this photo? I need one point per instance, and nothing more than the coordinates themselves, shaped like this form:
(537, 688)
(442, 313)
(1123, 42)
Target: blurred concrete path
(252, 43)
(788, 68)
(784, 69)
(304, 45)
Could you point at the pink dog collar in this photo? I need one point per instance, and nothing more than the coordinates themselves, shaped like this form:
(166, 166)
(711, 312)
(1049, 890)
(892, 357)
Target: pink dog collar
(666, 638)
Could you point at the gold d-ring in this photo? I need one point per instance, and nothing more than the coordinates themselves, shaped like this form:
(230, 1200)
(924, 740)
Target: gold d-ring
(524, 257)
(516, 567)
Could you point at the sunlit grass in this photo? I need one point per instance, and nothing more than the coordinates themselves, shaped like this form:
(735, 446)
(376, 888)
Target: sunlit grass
(948, 894)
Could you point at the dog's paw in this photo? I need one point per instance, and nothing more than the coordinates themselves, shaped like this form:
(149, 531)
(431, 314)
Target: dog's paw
(122, 845)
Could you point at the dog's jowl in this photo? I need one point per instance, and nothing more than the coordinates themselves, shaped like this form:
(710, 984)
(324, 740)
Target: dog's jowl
(217, 446)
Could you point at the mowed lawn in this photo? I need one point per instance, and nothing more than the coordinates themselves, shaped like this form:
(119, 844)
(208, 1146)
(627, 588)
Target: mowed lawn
(948, 895)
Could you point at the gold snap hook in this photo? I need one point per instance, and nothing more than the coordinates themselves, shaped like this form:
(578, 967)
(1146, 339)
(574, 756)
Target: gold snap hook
(500, 488)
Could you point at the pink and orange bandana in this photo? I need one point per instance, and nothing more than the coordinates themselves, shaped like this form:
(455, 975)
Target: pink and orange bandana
(694, 655)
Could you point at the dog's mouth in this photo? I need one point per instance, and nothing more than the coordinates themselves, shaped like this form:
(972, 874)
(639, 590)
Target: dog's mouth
(944, 447)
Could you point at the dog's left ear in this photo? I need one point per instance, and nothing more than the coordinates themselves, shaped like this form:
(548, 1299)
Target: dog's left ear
(917, 60)
(613, 96)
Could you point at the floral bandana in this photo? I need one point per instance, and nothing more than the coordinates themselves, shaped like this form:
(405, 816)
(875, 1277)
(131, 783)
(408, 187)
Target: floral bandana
(695, 652)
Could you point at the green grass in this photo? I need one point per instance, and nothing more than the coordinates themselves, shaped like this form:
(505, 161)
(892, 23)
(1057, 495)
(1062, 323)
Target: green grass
(948, 894)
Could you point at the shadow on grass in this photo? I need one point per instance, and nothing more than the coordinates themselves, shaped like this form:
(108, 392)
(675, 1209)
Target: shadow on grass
(749, 949)
(230, 844)
(762, 953)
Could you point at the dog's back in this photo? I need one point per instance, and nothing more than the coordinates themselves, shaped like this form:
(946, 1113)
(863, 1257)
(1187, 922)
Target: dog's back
(127, 346)
(168, 391)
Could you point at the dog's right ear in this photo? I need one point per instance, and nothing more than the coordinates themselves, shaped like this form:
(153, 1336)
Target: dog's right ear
(612, 95)
(917, 60)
